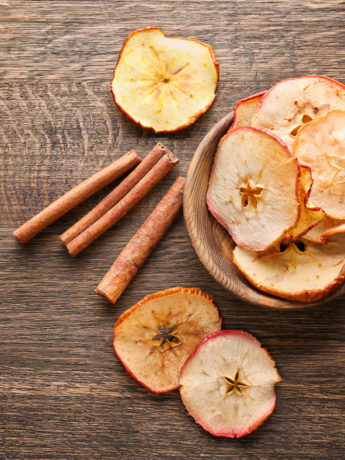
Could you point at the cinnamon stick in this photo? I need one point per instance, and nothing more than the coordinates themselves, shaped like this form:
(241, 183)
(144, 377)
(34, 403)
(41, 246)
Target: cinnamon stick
(76, 196)
(142, 244)
(164, 165)
(119, 192)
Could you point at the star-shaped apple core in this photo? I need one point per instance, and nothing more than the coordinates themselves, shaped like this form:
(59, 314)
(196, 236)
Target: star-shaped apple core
(249, 195)
(166, 338)
(234, 385)
(305, 119)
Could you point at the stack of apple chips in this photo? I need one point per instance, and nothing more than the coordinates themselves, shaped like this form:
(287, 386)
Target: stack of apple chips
(278, 186)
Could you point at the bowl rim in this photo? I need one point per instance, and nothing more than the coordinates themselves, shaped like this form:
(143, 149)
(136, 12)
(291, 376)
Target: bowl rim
(247, 292)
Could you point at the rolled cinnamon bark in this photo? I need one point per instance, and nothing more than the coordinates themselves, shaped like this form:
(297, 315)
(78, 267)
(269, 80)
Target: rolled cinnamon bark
(76, 196)
(164, 165)
(142, 244)
(119, 192)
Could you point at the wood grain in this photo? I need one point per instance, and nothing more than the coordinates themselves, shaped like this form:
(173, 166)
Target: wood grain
(63, 393)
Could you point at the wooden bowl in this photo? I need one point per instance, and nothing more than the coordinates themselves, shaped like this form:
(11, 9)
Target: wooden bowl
(211, 242)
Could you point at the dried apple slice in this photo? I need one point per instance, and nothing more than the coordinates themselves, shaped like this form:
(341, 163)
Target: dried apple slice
(308, 218)
(336, 230)
(320, 145)
(291, 104)
(254, 187)
(227, 384)
(164, 84)
(326, 228)
(154, 338)
(301, 271)
(244, 110)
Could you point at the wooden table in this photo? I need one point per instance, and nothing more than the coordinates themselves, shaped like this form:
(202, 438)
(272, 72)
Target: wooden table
(63, 393)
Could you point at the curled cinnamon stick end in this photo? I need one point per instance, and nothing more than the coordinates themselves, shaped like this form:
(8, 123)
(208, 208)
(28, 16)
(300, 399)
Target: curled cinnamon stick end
(142, 244)
(76, 196)
(114, 196)
(160, 169)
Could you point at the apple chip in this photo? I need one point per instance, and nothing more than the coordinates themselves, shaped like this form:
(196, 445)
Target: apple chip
(301, 271)
(320, 145)
(227, 384)
(254, 187)
(244, 110)
(154, 338)
(336, 230)
(291, 104)
(327, 227)
(164, 84)
(308, 218)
